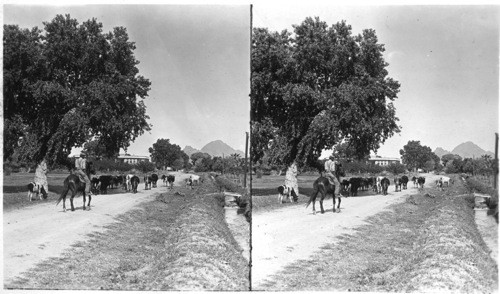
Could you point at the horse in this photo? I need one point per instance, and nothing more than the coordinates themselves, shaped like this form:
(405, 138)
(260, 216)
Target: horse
(75, 184)
(323, 186)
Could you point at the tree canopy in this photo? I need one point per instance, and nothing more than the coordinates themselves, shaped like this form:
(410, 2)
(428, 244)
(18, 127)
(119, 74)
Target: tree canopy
(166, 154)
(318, 87)
(415, 155)
(68, 84)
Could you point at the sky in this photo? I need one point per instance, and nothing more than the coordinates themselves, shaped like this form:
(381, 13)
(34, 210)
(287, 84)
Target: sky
(197, 58)
(445, 58)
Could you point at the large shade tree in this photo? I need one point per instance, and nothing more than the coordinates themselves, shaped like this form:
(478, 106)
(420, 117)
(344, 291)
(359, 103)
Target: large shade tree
(317, 87)
(69, 84)
(414, 156)
(166, 154)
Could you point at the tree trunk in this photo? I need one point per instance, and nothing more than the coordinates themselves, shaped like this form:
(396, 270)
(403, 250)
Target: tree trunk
(41, 175)
(291, 178)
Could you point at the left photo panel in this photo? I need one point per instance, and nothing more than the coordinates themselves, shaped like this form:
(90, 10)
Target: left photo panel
(125, 147)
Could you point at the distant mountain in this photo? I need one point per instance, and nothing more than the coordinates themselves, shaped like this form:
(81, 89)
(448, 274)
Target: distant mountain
(469, 150)
(440, 152)
(190, 150)
(215, 148)
(219, 148)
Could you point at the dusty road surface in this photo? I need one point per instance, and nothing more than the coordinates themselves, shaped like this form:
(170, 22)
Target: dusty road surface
(280, 237)
(35, 233)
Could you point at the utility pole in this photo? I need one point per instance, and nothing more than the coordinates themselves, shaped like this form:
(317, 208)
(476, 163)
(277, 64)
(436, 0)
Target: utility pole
(246, 161)
(495, 172)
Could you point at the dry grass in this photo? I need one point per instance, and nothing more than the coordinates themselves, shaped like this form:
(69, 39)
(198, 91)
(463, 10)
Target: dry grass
(178, 242)
(428, 243)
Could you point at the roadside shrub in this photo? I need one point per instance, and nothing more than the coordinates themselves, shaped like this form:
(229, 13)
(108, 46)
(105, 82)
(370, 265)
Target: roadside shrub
(474, 185)
(259, 174)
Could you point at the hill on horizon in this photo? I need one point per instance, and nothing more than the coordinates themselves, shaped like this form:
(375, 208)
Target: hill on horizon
(214, 148)
(465, 150)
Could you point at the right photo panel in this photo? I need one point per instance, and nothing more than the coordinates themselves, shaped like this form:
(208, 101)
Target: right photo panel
(374, 148)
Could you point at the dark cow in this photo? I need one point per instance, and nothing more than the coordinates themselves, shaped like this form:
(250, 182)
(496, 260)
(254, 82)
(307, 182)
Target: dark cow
(421, 182)
(384, 183)
(94, 185)
(356, 183)
(404, 182)
(154, 179)
(170, 181)
(105, 181)
(397, 184)
(345, 185)
(134, 182)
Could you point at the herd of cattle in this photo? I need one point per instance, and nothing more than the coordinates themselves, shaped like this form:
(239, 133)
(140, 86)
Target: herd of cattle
(380, 184)
(130, 182)
(351, 186)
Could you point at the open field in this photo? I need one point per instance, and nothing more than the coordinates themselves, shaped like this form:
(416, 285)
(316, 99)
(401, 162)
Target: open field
(427, 241)
(173, 240)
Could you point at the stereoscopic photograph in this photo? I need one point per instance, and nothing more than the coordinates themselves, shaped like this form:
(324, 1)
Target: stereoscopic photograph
(341, 147)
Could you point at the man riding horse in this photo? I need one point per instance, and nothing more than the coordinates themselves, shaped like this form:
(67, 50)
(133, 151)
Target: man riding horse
(80, 168)
(332, 171)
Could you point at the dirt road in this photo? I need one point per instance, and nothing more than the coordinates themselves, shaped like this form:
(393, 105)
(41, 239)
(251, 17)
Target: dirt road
(283, 236)
(33, 234)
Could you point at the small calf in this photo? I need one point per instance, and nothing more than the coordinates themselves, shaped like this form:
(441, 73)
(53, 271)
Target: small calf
(285, 191)
(35, 189)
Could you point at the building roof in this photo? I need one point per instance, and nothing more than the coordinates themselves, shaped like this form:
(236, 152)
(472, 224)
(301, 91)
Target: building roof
(124, 156)
(385, 158)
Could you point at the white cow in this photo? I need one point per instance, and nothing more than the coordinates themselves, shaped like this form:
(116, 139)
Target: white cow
(445, 180)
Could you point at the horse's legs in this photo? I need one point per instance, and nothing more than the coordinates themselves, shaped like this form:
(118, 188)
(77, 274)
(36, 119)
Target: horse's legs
(321, 201)
(333, 194)
(90, 198)
(313, 200)
(73, 192)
